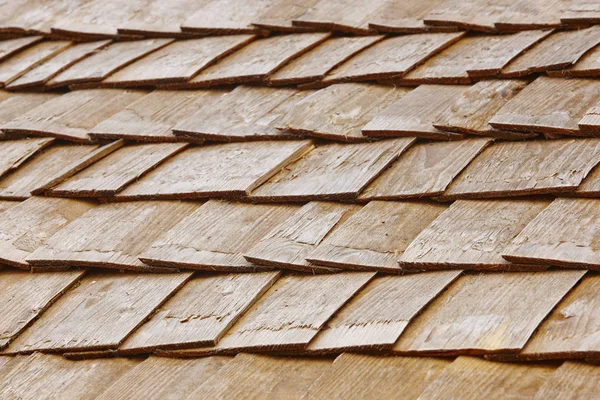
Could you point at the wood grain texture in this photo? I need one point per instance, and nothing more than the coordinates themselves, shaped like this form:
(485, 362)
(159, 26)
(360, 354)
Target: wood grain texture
(200, 313)
(473, 378)
(43, 376)
(315, 64)
(477, 105)
(115, 171)
(405, 17)
(107, 61)
(589, 124)
(288, 244)
(356, 377)
(11, 46)
(331, 171)
(425, 169)
(177, 62)
(27, 226)
(6, 204)
(414, 113)
(217, 17)
(572, 380)
(22, 62)
(99, 313)
(372, 238)
(160, 378)
(339, 112)
(581, 11)
(256, 61)
(14, 153)
(560, 50)
(72, 115)
(590, 187)
(278, 16)
(41, 74)
(151, 118)
(475, 15)
(225, 170)
(530, 167)
(549, 105)
(471, 234)
(392, 57)
(588, 66)
(13, 105)
(216, 235)
(532, 14)
(377, 316)
(262, 377)
(24, 297)
(487, 313)
(111, 235)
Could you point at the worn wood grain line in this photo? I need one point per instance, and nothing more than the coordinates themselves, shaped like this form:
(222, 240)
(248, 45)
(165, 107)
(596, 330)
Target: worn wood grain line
(573, 380)
(278, 15)
(22, 62)
(6, 204)
(12, 46)
(226, 17)
(13, 105)
(470, 14)
(405, 17)
(13, 153)
(581, 11)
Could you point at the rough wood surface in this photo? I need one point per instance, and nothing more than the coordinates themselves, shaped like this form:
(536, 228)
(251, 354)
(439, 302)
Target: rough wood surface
(532, 111)
(414, 113)
(216, 235)
(581, 11)
(392, 57)
(530, 167)
(99, 313)
(487, 313)
(357, 377)
(226, 17)
(588, 66)
(258, 377)
(115, 171)
(6, 204)
(278, 16)
(27, 226)
(332, 171)
(107, 61)
(13, 153)
(472, 378)
(24, 297)
(200, 313)
(217, 170)
(426, 169)
(590, 187)
(111, 235)
(13, 105)
(315, 64)
(590, 122)
(22, 62)
(572, 380)
(468, 14)
(72, 115)
(257, 60)
(405, 17)
(372, 238)
(532, 14)
(377, 316)
(288, 245)
(160, 378)
(177, 62)
(339, 112)
(471, 234)
(12, 46)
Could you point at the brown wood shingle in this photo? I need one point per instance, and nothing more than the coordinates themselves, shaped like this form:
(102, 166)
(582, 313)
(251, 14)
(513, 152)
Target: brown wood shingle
(13, 153)
(573, 380)
(22, 62)
(405, 17)
(11, 46)
(13, 105)
(218, 17)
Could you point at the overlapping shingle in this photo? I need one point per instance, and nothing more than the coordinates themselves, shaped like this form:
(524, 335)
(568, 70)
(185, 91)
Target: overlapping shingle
(13, 105)
(11, 46)
(572, 379)
(225, 17)
(405, 17)
(24, 61)
(16, 152)
(278, 15)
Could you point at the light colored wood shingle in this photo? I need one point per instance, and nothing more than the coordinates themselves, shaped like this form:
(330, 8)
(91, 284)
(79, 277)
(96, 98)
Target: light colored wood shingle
(13, 153)
(11, 46)
(572, 380)
(22, 62)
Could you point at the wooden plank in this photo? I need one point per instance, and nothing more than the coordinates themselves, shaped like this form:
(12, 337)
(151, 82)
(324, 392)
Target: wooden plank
(225, 170)
(27, 226)
(564, 234)
(581, 12)
(315, 64)
(572, 380)
(474, 378)
(524, 168)
(392, 57)
(160, 378)
(42, 376)
(477, 105)
(177, 62)
(115, 171)
(12, 46)
(200, 313)
(487, 313)
(471, 234)
(14, 104)
(531, 112)
(329, 172)
(13, 153)
(377, 316)
(474, 15)
(41, 74)
(414, 113)
(22, 62)
(426, 169)
(218, 17)
(256, 61)
(405, 17)
(109, 236)
(99, 313)
(279, 14)
(532, 14)
(588, 66)
(558, 51)
(372, 238)
(255, 376)
(72, 115)
(339, 112)
(100, 65)
(356, 376)
(151, 118)
(590, 187)
(589, 124)
(288, 244)
(215, 236)
(24, 297)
